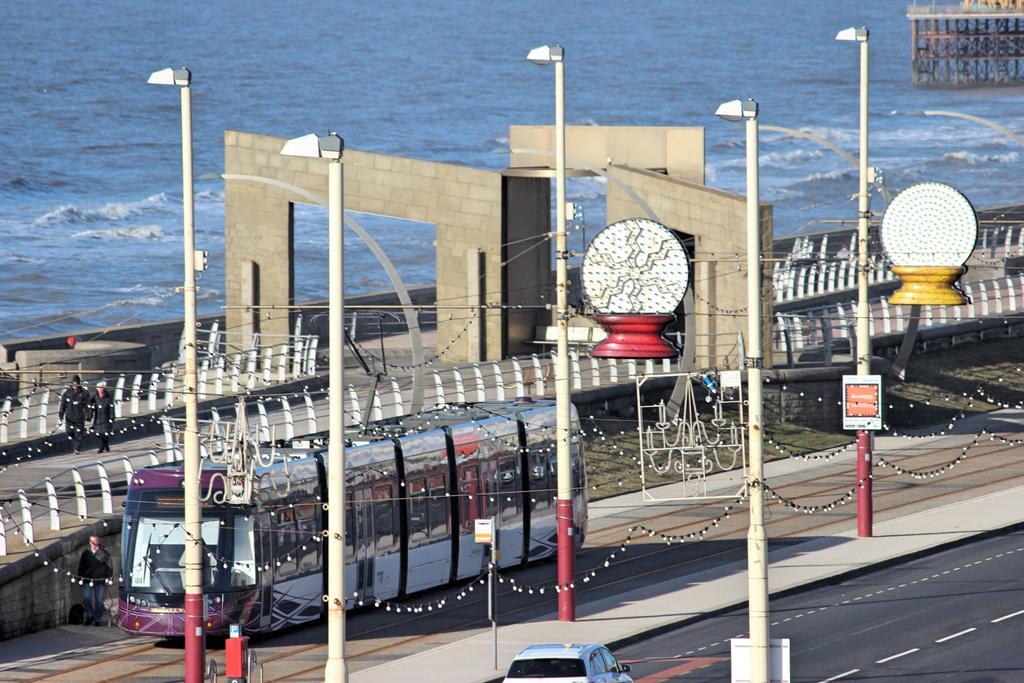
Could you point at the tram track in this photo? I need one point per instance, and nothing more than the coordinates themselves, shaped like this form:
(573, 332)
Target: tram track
(173, 657)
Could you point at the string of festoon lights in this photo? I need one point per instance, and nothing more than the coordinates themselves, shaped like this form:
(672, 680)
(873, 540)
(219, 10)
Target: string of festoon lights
(790, 504)
(427, 362)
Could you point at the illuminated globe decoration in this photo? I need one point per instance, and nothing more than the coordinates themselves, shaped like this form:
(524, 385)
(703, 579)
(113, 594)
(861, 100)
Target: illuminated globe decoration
(635, 273)
(928, 232)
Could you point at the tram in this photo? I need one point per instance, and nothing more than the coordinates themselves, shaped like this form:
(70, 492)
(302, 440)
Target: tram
(414, 490)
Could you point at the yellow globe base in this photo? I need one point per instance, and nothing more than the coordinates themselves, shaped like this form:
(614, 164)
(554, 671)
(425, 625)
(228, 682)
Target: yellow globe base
(928, 286)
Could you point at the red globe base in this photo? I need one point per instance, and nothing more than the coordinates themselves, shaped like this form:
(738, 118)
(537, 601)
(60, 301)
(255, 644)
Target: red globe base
(635, 335)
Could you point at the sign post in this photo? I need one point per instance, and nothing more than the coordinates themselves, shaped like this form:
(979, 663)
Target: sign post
(862, 411)
(484, 532)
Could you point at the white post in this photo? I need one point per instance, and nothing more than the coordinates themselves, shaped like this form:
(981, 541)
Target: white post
(438, 389)
(460, 387)
(119, 396)
(108, 504)
(517, 377)
(80, 503)
(499, 382)
(538, 376)
(398, 405)
(51, 501)
(136, 394)
(282, 363)
(478, 379)
(311, 427)
(264, 429)
(27, 531)
(44, 404)
(289, 422)
(354, 408)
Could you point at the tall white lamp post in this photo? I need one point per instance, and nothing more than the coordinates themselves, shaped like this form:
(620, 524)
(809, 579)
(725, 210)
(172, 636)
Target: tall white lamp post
(331, 147)
(563, 506)
(757, 538)
(864, 513)
(195, 642)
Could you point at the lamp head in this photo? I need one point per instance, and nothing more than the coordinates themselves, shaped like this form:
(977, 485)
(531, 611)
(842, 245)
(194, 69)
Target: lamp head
(170, 76)
(545, 54)
(736, 110)
(857, 34)
(313, 146)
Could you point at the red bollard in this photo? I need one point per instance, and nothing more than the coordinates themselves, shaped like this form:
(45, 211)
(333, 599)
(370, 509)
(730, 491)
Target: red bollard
(236, 659)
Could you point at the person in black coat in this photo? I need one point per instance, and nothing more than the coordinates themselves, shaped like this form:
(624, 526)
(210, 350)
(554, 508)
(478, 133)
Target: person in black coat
(94, 568)
(74, 410)
(102, 409)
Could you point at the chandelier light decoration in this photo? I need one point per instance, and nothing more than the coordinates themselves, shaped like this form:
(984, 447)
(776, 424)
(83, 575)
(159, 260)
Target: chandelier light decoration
(928, 232)
(635, 273)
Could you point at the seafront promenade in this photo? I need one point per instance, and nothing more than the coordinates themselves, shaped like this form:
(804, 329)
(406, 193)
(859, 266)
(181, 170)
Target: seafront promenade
(807, 548)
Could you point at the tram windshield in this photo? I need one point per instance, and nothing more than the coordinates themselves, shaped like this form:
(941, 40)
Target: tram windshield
(155, 553)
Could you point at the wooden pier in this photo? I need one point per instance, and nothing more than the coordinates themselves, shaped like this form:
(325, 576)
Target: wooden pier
(976, 42)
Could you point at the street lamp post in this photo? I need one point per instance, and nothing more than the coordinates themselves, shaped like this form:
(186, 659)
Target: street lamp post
(331, 147)
(563, 505)
(195, 642)
(757, 538)
(864, 512)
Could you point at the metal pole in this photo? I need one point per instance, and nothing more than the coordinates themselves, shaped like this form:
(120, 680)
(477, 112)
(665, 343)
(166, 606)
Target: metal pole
(337, 668)
(195, 642)
(864, 512)
(567, 595)
(757, 539)
(492, 598)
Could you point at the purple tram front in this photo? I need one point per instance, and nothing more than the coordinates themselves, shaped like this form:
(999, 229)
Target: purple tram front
(281, 522)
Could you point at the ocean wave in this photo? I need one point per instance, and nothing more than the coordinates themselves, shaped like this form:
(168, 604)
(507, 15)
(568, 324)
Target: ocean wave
(836, 174)
(137, 232)
(16, 258)
(216, 196)
(971, 159)
(114, 211)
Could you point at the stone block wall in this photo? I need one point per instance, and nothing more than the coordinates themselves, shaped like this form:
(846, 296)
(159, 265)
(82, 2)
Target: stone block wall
(34, 596)
(464, 204)
(717, 222)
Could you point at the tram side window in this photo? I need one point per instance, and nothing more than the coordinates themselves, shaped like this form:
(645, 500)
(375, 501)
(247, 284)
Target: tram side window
(308, 560)
(384, 519)
(286, 537)
(350, 528)
(469, 501)
(438, 506)
(541, 447)
(419, 524)
(508, 486)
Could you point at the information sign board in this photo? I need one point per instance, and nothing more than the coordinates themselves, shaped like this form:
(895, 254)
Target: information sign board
(483, 531)
(862, 402)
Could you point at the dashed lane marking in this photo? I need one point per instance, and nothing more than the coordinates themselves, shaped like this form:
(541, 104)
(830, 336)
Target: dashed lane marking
(842, 675)
(956, 635)
(911, 651)
(1008, 616)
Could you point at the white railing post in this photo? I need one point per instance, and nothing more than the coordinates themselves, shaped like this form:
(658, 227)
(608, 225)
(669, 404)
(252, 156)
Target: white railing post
(478, 378)
(886, 319)
(1011, 296)
(169, 388)
(268, 362)
(51, 502)
(298, 348)
(152, 390)
(439, 399)
(128, 470)
(44, 404)
(250, 364)
(108, 503)
(5, 416)
(202, 389)
(310, 413)
(119, 396)
(460, 388)
(26, 401)
(396, 399)
(377, 408)
(236, 371)
(574, 365)
(969, 291)
(282, 363)
(538, 376)
(311, 355)
(289, 422)
(218, 378)
(499, 382)
(353, 405)
(136, 394)
(517, 377)
(984, 298)
(264, 430)
(613, 370)
(80, 502)
(631, 368)
(27, 532)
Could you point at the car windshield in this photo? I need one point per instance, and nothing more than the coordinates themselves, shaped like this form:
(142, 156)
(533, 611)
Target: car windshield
(546, 668)
(155, 556)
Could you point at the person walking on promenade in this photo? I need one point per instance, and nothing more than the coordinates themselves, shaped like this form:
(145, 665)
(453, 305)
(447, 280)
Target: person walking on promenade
(95, 568)
(102, 410)
(74, 409)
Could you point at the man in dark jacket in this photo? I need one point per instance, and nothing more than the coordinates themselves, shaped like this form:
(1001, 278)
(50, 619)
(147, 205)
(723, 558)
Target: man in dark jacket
(102, 409)
(94, 569)
(74, 409)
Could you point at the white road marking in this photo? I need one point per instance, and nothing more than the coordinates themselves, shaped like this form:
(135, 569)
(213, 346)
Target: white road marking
(897, 656)
(1007, 616)
(956, 635)
(842, 675)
